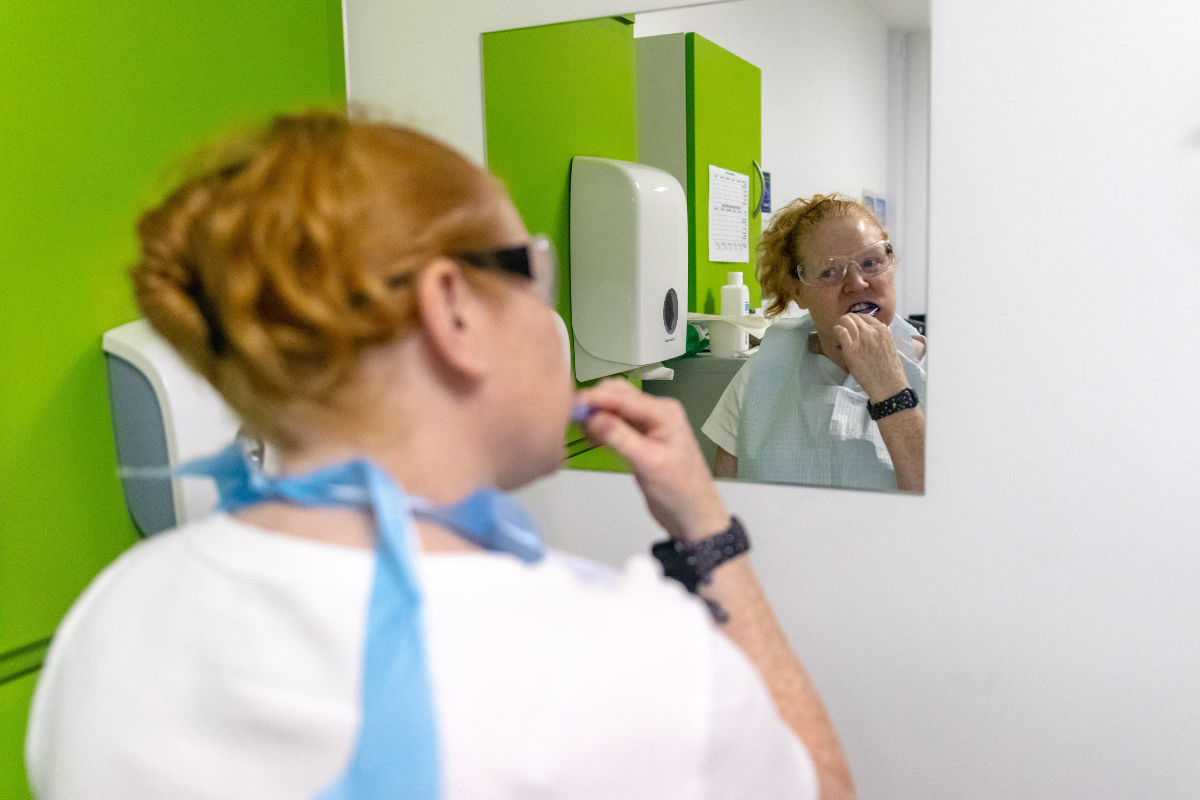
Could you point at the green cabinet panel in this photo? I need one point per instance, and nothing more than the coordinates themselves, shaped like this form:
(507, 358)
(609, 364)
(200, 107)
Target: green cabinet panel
(724, 112)
(700, 105)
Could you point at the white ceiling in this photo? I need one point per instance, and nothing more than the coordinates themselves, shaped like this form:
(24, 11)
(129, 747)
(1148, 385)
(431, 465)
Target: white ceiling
(910, 15)
(907, 14)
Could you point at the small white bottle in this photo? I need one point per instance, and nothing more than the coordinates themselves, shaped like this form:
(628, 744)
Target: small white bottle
(735, 296)
(727, 339)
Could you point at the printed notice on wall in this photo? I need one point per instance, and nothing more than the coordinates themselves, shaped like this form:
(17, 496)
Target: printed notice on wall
(728, 215)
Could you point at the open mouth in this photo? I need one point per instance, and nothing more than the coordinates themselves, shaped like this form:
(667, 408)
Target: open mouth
(870, 309)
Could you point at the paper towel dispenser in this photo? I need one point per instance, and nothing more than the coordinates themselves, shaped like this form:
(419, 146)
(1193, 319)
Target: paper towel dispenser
(629, 266)
(164, 414)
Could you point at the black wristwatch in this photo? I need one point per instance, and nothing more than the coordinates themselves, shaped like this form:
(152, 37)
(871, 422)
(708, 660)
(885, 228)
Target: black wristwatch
(897, 402)
(692, 563)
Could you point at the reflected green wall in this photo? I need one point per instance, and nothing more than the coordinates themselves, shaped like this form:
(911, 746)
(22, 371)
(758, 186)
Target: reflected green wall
(96, 100)
(724, 129)
(553, 92)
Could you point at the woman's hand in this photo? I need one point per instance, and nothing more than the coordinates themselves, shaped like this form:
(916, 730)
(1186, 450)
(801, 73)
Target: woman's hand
(654, 435)
(870, 356)
(873, 361)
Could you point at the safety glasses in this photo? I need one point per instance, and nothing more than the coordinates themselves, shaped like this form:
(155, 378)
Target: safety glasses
(873, 259)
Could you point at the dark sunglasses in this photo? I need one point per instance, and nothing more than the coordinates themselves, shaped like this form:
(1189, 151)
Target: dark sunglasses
(536, 261)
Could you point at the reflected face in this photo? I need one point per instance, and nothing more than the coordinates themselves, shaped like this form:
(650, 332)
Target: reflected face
(533, 390)
(843, 237)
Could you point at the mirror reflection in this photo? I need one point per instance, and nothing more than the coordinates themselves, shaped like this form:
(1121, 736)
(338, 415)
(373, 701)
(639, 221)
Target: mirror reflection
(804, 172)
(830, 398)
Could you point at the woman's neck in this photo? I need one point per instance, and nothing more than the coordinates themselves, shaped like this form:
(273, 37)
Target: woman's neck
(343, 527)
(440, 460)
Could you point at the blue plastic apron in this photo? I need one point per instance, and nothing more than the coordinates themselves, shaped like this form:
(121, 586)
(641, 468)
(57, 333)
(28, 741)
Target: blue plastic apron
(396, 754)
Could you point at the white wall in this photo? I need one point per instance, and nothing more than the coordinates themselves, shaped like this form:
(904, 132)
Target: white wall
(824, 86)
(1031, 626)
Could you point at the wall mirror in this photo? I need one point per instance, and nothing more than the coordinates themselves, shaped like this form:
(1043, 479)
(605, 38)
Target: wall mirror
(749, 105)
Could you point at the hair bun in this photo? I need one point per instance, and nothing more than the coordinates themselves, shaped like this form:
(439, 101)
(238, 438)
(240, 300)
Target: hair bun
(268, 271)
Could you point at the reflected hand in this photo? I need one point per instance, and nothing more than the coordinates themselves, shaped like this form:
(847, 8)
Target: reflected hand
(870, 355)
(654, 435)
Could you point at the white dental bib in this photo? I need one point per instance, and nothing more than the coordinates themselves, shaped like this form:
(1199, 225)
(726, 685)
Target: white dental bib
(805, 420)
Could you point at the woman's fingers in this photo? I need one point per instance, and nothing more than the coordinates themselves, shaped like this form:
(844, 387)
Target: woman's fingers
(609, 429)
(863, 332)
(844, 336)
(623, 399)
(849, 332)
(862, 324)
(871, 356)
(654, 434)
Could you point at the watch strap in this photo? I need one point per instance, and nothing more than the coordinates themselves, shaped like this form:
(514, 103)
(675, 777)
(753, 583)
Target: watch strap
(691, 563)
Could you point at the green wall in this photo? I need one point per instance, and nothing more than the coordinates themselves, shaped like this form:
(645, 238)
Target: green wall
(96, 101)
(551, 93)
(14, 704)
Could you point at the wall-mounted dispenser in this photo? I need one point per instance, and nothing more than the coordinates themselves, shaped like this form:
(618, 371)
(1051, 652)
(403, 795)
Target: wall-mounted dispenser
(164, 415)
(629, 266)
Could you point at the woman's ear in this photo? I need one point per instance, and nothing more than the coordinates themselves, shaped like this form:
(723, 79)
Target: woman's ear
(455, 319)
(799, 296)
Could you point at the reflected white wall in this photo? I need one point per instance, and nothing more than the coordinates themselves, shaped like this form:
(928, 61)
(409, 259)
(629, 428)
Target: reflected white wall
(832, 121)
(908, 163)
(916, 167)
(824, 86)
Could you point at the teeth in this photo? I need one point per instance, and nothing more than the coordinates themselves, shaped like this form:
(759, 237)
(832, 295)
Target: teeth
(864, 308)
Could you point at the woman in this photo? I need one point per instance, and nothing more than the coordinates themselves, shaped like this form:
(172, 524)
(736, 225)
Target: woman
(831, 399)
(371, 302)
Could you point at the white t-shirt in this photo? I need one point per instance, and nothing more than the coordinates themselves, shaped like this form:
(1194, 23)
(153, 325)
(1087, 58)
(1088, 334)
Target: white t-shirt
(722, 424)
(223, 661)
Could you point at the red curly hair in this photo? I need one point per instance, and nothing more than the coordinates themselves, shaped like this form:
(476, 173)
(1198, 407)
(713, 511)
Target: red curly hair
(274, 269)
(779, 248)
